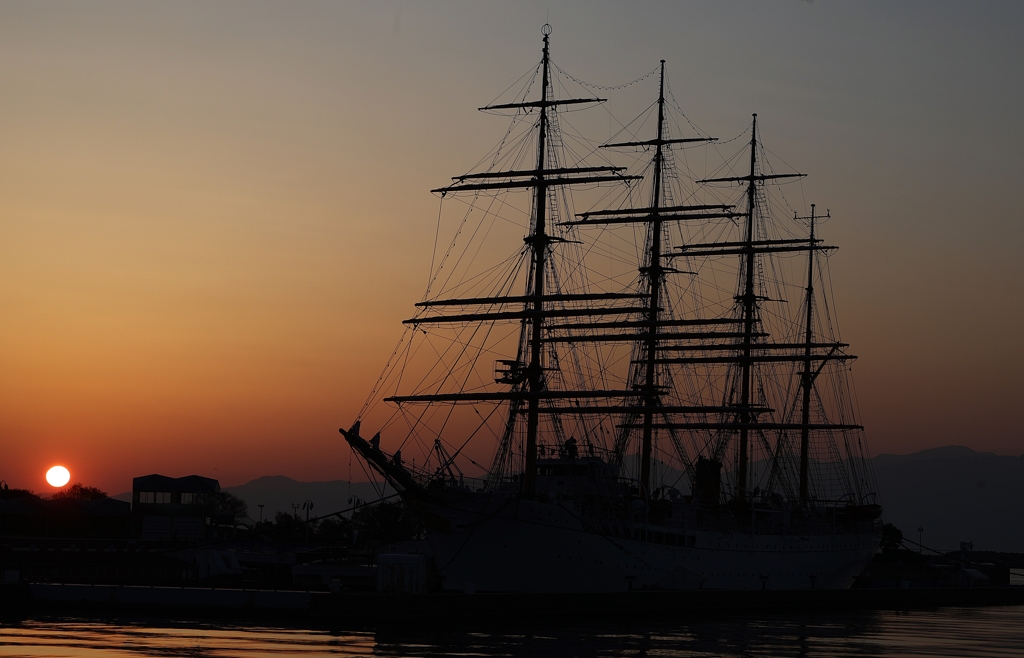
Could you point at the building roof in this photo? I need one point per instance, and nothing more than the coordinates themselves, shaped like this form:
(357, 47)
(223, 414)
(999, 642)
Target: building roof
(187, 484)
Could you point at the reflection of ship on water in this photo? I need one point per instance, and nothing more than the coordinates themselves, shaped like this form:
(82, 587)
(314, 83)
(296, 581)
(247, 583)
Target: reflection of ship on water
(657, 325)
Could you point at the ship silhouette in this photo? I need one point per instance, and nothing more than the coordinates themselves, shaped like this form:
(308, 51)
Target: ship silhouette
(660, 377)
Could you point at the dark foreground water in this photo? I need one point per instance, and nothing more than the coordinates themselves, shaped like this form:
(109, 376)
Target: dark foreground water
(946, 632)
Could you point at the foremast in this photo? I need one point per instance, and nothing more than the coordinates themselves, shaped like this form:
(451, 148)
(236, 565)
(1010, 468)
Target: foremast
(537, 304)
(539, 242)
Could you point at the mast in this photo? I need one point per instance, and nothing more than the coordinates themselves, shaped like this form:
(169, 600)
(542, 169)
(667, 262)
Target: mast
(649, 332)
(748, 249)
(810, 373)
(539, 243)
(654, 274)
(535, 303)
(749, 308)
(806, 379)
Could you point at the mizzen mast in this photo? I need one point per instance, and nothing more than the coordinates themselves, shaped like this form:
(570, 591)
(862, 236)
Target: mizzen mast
(749, 302)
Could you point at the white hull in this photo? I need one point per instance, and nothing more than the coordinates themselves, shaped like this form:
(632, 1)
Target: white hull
(526, 546)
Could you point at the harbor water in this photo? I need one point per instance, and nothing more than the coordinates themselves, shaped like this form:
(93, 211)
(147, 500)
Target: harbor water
(979, 631)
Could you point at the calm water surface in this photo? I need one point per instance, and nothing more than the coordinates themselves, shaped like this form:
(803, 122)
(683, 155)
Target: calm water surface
(946, 632)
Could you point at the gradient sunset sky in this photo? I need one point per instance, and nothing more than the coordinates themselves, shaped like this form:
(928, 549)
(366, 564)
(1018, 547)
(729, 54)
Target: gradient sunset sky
(213, 216)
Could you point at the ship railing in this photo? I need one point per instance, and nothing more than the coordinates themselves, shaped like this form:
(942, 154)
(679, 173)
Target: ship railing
(445, 481)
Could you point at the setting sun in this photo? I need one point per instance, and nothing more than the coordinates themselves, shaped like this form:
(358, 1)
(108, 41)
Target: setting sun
(58, 476)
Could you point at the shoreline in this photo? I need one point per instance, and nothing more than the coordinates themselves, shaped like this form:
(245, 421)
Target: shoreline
(453, 610)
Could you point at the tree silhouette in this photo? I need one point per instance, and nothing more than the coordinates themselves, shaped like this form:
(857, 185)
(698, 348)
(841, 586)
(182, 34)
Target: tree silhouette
(79, 491)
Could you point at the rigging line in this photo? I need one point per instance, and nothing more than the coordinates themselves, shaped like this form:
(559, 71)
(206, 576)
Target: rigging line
(729, 163)
(482, 240)
(451, 245)
(505, 205)
(494, 435)
(400, 375)
(415, 424)
(445, 289)
(472, 258)
(371, 478)
(533, 77)
(433, 254)
(436, 384)
(575, 136)
(678, 108)
(383, 374)
(405, 365)
(716, 144)
(602, 88)
(642, 117)
(498, 149)
(523, 93)
(451, 458)
(470, 368)
(765, 150)
(482, 277)
(482, 351)
(767, 163)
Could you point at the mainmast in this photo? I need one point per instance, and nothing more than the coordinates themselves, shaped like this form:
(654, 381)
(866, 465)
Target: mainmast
(652, 269)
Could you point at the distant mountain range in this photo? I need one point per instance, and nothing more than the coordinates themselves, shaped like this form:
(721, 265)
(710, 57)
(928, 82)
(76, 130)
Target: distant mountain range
(954, 493)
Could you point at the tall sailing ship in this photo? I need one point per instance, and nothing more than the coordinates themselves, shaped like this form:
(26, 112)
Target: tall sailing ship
(659, 378)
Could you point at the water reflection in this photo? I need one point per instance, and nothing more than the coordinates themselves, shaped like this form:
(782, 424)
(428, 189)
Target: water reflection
(948, 632)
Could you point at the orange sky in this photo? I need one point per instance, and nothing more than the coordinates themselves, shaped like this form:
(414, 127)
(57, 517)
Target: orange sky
(213, 218)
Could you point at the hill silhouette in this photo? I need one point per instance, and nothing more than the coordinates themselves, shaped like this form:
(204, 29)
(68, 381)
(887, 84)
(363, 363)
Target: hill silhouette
(955, 493)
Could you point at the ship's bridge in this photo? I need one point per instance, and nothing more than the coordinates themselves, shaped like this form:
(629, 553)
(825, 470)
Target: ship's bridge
(567, 476)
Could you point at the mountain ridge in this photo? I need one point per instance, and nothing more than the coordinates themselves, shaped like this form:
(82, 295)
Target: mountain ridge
(954, 492)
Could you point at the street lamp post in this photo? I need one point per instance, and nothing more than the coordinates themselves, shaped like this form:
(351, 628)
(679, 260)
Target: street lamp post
(920, 539)
(261, 512)
(308, 506)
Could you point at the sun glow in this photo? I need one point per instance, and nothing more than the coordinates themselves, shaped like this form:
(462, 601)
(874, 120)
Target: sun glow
(58, 476)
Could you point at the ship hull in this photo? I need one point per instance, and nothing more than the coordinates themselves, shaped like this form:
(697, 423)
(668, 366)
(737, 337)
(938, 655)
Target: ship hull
(526, 546)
